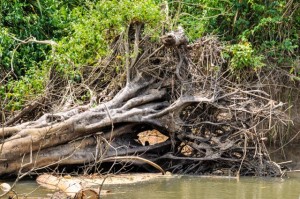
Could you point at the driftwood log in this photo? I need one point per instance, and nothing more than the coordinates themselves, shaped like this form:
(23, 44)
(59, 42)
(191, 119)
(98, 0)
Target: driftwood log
(214, 125)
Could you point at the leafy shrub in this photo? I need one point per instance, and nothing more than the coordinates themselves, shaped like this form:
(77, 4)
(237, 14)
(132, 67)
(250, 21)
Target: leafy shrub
(20, 20)
(98, 25)
(272, 27)
(28, 87)
(242, 56)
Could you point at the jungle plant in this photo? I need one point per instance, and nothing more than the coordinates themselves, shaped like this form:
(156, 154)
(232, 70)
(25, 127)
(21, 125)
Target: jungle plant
(243, 57)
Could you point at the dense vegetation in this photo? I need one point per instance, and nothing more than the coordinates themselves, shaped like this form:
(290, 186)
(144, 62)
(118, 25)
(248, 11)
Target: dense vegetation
(257, 34)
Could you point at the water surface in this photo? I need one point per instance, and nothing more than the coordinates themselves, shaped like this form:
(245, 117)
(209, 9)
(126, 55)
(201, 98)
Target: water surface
(190, 187)
(208, 188)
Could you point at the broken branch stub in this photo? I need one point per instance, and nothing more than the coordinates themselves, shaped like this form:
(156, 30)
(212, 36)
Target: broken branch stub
(175, 38)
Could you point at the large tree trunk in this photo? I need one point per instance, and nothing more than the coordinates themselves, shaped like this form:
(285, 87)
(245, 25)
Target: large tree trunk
(181, 90)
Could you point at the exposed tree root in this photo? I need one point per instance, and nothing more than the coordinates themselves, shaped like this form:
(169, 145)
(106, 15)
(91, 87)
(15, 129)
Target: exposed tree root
(181, 90)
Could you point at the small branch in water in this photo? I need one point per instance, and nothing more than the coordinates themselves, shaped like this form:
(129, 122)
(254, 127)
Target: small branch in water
(135, 158)
(286, 162)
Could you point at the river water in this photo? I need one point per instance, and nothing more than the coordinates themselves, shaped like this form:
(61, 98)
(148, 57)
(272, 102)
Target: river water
(195, 187)
(190, 187)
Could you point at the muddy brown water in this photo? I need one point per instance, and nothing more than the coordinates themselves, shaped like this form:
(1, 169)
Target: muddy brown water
(190, 187)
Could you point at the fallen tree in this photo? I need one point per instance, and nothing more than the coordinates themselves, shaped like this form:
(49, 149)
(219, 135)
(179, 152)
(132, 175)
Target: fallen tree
(184, 91)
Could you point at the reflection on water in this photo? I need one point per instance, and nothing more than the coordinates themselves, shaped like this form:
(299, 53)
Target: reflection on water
(196, 187)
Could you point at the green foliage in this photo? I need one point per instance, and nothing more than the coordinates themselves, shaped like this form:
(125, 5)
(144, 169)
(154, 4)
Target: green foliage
(272, 27)
(200, 17)
(242, 56)
(23, 19)
(98, 25)
(30, 86)
(20, 20)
